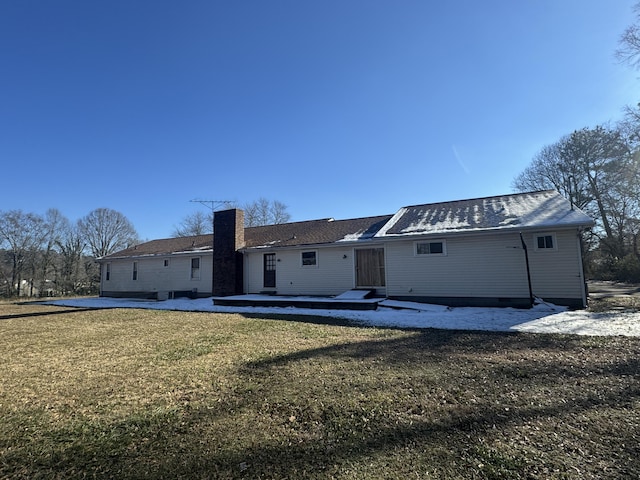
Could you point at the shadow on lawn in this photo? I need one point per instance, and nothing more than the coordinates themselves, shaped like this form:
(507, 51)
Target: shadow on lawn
(458, 440)
(422, 343)
(579, 396)
(530, 360)
(47, 313)
(567, 426)
(314, 319)
(460, 432)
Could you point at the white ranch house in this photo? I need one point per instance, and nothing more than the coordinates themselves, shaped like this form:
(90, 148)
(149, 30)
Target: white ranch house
(494, 251)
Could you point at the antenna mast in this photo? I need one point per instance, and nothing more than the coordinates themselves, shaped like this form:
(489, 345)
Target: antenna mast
(212, 205)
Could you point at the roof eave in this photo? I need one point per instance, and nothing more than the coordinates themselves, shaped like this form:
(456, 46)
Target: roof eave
(487, 231)
(150, 255)
(260, 248)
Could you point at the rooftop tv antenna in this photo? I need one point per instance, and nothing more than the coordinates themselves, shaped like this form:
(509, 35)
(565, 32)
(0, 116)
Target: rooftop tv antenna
(212, 205)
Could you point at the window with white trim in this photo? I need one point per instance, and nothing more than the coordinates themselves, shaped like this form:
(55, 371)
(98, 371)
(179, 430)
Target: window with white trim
(309, 258)
(195, 268)
(107, 273)
(546, 241)
(433, 247)
(135, 270)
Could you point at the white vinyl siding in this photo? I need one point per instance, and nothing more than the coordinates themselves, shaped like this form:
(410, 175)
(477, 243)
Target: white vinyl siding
(474, 266)
(557, 272)
(491, 266)
(154, 276)
(485, 266)
(333, 274)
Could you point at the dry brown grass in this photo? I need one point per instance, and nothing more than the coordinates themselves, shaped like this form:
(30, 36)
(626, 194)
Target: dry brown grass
(617, 302)
(155, 394)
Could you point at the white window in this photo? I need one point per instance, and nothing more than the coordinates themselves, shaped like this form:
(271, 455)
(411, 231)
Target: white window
(433, 247)
(309, 258)
(545, 241)
(195, 268)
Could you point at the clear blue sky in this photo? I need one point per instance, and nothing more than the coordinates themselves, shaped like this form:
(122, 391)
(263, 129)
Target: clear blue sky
(337, 108)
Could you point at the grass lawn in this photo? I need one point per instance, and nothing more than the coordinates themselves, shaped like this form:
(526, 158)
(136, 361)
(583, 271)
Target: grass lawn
(156, 394)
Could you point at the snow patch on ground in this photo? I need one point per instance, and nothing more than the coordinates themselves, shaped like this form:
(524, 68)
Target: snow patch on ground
(542, 318)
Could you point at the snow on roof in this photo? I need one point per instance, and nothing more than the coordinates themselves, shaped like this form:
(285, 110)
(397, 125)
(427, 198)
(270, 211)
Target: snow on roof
(545, 209)
(165, 246)
(362, 234)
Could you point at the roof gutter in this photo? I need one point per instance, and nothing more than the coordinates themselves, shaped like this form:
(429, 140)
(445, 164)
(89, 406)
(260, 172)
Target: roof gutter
(486, 231)
(153, 255)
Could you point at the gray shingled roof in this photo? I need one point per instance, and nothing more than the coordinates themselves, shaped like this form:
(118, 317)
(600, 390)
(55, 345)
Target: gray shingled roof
(546, 209)
(166, 246)
(313, 232)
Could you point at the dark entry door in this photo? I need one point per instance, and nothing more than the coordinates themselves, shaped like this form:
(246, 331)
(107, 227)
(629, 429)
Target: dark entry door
(269, 270)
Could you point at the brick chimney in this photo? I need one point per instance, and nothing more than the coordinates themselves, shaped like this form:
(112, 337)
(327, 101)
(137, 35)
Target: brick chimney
(228, 238)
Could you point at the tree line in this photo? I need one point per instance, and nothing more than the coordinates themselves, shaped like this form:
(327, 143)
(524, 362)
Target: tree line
(48, 255)
(598, 170)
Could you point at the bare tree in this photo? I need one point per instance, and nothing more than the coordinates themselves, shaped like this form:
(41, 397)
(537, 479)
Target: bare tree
(45, 273)
(279, 213)
(197, 223)
(24, 234)
(256, 213)
(549, 170)
(106, 231)
(629, 50)
(265, 212)
(5, 272)
(596, 170)
(71, 270)
(626, 211)
(599, 156)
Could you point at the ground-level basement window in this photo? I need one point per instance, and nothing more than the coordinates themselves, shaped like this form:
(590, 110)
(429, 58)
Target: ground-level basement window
(546, 242)
(310, 259)
(195, 268)
(431, 248)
